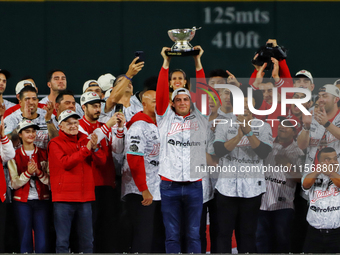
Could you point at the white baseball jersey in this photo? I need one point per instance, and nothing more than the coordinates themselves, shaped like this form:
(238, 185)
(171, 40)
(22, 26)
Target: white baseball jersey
(12, 121)
(280, 185)
(324, 203)
(8, 104)
(135, 106)
(142, 139)
(237, 181)
(319, 139)
(183, 145)
(79, 110)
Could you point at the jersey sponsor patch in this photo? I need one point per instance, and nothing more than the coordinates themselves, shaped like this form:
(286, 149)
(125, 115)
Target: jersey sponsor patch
(134, 148)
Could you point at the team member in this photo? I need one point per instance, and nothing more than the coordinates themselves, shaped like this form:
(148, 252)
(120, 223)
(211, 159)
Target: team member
(105, 207)
(29, 110)
(323, 187)
(304, 79)
(140, 180)
(56, 81)
(238, 191)
(93, 86)
(277, 206)
(322, 130)
(30, 180)
(183, 132)
(70, 161)
(7, 152)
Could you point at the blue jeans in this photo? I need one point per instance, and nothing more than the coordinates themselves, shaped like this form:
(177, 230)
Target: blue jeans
(64, 213)
(182, 202)
(33, 215)
(273, 233)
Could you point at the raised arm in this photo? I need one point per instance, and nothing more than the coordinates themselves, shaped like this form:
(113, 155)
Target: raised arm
(162, 91)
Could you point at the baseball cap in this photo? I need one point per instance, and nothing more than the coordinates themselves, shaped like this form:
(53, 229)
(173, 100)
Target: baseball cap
(23, 124)
(106, 81)
(67, 114)
(336, 82)
(179, 92)
(90, 97)
(21, 84)
(304, 73)
(331, 89)
(87, 84)
(6, 73)
(108, 93)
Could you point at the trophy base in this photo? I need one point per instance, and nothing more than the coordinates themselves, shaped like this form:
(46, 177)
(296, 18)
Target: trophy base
(182, 53)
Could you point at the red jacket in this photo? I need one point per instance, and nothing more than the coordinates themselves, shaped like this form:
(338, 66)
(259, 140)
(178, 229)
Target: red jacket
(103, 172)
(20, 177)
(70, 164)
(3, 184)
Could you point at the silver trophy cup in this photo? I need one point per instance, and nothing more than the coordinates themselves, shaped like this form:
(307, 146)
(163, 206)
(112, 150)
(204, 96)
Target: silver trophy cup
(182, 37)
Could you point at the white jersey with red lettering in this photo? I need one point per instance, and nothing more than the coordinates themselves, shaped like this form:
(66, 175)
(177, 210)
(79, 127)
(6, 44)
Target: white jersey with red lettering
(241, 170)
(183, 145)
(324, 203)
(281, 184)
(12, 121)
(142, 139)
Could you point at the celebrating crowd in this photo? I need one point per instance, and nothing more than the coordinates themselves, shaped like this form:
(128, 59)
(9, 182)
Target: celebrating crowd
(144, 172)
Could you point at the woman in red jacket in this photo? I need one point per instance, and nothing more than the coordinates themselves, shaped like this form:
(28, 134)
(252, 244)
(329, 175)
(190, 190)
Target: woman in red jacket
(30, 180)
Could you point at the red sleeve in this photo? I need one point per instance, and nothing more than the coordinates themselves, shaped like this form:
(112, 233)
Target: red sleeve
(252, 79)
(137, 167)
(68, 161)
(10, 110)
(162, 91)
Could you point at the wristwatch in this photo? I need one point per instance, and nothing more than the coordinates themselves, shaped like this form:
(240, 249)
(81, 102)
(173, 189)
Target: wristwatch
(327, 124)
(48, 121)
(250, 133)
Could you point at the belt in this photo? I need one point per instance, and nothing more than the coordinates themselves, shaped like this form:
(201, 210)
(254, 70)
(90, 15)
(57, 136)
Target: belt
(327, 230)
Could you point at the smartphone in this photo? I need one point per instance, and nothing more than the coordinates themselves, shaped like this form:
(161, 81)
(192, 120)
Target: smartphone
(139, 54)
(119, 108)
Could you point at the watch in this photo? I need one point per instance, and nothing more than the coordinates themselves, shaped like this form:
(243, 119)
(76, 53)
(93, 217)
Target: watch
(250, 133)
(327, 124)
(48, 121)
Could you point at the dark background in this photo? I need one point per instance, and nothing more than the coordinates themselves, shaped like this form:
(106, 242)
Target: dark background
(87, 39)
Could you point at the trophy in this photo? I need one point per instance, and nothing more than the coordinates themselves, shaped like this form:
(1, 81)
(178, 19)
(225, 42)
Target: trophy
(182, 37)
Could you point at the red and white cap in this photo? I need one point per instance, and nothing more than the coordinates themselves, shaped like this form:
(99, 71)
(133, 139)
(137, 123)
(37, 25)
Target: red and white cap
(23, 124)
(304, 73)
(67, 114)
(90, 97)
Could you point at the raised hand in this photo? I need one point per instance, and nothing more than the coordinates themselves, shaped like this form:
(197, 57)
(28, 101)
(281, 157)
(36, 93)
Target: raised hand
(134, 68)
(166, 62)
(49, 107)
(232, 79)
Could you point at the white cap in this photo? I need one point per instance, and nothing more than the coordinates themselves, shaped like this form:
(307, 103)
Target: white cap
(21, 84)
(306, 74)
(180, 91)
(331, 89)
(106, 81)
(26, 124)
(337, 82)
(90, 97)
(108, 93)
(87, 84)
(67, 114)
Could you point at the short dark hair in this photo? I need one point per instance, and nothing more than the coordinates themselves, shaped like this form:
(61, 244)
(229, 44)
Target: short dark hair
(218, 72)
(325, 150)
(51, 72)
(63, 93)
(27, 89)
(116, 80)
